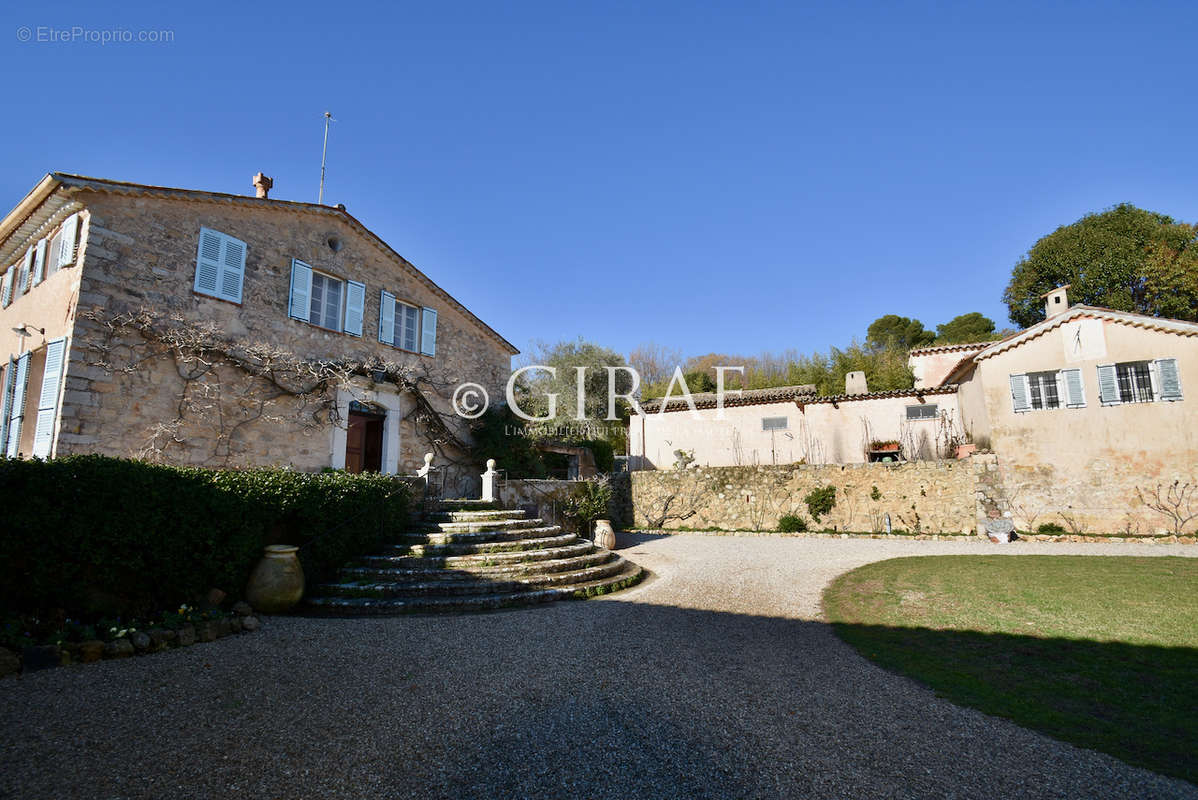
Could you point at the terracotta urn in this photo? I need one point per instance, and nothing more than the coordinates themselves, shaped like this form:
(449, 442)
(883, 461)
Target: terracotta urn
(605, 537)
(277, 582)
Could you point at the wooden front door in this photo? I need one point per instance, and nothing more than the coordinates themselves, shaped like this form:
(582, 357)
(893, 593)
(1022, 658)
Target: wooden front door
(364, 443)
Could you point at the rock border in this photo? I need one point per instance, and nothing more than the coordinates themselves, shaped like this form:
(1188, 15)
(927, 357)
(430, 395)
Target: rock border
(136, 643)
(935, 537)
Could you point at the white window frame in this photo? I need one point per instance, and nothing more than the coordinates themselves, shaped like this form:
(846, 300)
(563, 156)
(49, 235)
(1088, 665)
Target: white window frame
(326, 279)
(923, 417)
(765, 426)
(400, 316)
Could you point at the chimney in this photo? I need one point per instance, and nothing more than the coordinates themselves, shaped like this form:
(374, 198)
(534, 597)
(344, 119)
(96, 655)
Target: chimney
(854, 383)
(263, 186)
(1056, 301)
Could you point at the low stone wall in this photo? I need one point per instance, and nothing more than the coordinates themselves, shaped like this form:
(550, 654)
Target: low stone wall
(923, 497)
(544, 499)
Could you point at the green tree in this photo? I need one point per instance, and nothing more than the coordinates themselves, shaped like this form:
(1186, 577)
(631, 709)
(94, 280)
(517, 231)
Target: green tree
(971, 327)
(1123, 258)
(567, 357)
(902, 332)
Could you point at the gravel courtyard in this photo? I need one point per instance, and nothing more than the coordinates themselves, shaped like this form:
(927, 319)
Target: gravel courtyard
(715, 678)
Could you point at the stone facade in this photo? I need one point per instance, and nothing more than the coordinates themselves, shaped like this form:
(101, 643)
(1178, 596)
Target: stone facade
(932, 497)
(138, 251)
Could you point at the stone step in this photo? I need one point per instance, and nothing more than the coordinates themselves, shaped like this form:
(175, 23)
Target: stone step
(473, 584)
(462, 548)
(628, 575)
(476, 560)
(468, 537)
(437, 517)
(479, 526)
(428, 570)
(467, 505)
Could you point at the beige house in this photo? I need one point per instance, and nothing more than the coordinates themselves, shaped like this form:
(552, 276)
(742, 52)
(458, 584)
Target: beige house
(204, 328)
(1086, 410)
(790, 424)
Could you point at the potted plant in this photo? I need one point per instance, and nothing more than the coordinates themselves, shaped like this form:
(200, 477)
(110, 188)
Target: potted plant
(885, 445)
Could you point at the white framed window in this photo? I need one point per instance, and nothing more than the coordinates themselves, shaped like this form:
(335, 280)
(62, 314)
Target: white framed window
(220, 265)
(774, 423)
(325, 300)
(6, 286)
(1047, 389)
(1139, 382)
(923, 411)
(406, 326)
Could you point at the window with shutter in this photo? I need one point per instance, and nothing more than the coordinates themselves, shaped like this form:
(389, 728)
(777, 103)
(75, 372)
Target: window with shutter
(10, 374)
(52, 253)
(386, 317)
(39, 262)
(407, 326)
(26, 273)
(220, 265)
(47, 407)
(1019, 393)
(355, 307)
(66, 242)
(325, 307)
(1169, 379)
(17, 408)
(428, 331)
(6, 287)
(1134, 379)
(1108, 385)
(299, 305)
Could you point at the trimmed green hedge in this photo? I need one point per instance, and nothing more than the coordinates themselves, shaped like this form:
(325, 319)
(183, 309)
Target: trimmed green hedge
(94, 535)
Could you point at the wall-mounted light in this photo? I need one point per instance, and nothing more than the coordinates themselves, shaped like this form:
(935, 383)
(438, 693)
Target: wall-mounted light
(27, 329)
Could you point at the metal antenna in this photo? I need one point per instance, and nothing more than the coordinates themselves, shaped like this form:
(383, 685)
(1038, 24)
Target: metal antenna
(328, 117)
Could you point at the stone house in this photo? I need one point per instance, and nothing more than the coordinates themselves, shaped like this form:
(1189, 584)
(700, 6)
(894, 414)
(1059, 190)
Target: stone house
(204, 328)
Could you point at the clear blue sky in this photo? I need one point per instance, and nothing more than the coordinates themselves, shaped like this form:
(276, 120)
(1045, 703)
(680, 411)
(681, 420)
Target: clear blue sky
(729, 177)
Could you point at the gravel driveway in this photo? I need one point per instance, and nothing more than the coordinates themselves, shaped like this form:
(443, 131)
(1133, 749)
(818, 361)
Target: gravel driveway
(714, 679)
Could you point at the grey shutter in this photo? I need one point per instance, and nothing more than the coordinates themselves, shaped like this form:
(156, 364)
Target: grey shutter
(232, 268)
(66, 245)
(428, 332)
(47, 407)
(300, 305)
(17, 411)
(6, 287)
(26, 273)
(208, 262)
(39, 263)
(1169, 378)
(1019, 393)
(355, 307)
(386, 318)
(10, 374)
(1108, 385)
(1075, 391)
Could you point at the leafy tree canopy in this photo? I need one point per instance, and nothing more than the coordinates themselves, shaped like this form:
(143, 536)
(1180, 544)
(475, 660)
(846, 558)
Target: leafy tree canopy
(1124, 258)
(902, 332)
(971, 327)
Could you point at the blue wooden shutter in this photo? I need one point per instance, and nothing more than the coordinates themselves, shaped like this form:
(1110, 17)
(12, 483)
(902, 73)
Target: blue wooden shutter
(6, 287)
(232, 268)
(208, 262)
(386, 318)
(66, 244)
(10, 374)
(39, 263)
(355, 307)
(1169, 378)
(1019, 393)
(1108, 385)
(17, 411)
(301, 290)
(1075, 392)
(428, 332)
(47, 407)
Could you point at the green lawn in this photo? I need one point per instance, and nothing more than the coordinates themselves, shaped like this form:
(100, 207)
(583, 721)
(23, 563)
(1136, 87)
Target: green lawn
(1099, 651)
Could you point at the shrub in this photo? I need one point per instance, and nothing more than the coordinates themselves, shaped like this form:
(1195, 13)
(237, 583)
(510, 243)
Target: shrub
(820, 501)
(1051, 528)
(791, 523)
(588, 501)
(104, 536)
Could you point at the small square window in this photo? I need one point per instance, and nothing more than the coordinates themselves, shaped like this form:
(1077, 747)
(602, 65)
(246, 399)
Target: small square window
(774, 423)
(923, 411)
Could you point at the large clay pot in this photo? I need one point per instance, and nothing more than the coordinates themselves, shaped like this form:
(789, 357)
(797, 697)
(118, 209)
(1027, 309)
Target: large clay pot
(277, 582)
(605, 537)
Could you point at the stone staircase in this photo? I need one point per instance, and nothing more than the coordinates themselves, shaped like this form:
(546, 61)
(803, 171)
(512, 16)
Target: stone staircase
(470, 555)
